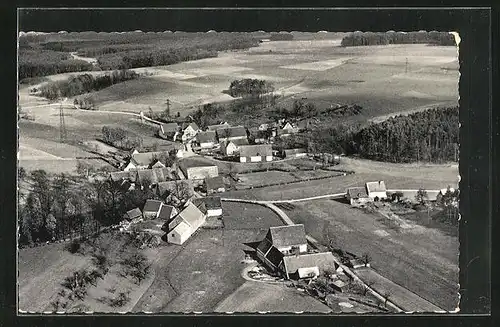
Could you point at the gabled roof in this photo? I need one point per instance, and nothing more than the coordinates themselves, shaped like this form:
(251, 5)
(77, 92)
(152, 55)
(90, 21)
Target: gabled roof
(191, 163)
(218, 126)
(170, 127)
(192, 215)
(357, 192)
(213, 202)
(155, 175)
(214, 183)
(264, 245)
(324, 260)
(165, 212)
(144, 159)
(287, 235)
(378, 186)
(256, 150)
(182, 228)
(121, 175)
(235, 131)
(275, 256)
(152, 206)
(193, 125)
(238, 142)
(205, 137)
(134, 213)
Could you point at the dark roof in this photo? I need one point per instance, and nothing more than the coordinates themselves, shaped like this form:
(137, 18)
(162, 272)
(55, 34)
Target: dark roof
(170, 127)
(213, 202)
(235, 131)
(144, 159)
(357, 192)
(239, 142)
(191, 163)
(152, 206)
(256, 150)
(165, 212)
(193, 125)
(287, 235)
(264, 245)
(214, 183)
(205, 137)
(324, 260)
(275, 256)
(294, 151)
(121, 175)
(134, 213)
(378, 186)
(155, 175)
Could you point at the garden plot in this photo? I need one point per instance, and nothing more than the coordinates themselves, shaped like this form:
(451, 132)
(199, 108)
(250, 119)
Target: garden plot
(266, 178)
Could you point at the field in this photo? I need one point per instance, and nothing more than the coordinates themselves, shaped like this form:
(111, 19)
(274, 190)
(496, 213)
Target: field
(422, 259)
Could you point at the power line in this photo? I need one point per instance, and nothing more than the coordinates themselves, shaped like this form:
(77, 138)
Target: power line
(63, 134)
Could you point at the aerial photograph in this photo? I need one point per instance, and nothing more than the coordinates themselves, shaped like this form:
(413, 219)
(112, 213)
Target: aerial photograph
(238, 172)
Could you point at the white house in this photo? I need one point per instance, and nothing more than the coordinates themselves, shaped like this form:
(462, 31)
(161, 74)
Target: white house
(357, 196)
(376, 190)
(256, 153)
(213, 206)
(189, 131)
(232, 148)
(185, 224)
(206, 140)
(142, 160)
(198, 170)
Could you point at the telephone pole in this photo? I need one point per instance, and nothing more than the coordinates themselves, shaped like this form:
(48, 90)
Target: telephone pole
(168, 108)
(406, 66)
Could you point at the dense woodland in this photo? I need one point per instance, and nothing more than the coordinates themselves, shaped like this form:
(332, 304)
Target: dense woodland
(381, 38)
(249, 88)
(84, 83)
(42, 55)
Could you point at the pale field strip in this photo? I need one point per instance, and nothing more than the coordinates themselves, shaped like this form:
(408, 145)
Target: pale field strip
(318, 65)
(222, 70)
(401, 60)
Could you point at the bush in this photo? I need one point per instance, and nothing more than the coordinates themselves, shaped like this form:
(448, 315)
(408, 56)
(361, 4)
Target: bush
(74, 247)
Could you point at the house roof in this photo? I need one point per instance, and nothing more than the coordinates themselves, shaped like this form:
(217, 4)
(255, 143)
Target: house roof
(235, 131)
(155, 175)
(174, 222)
(193, 125)
(144, 159)
(287, 235)
(152, 206)
(134, 213)
(121, 175)
(275, 256)
(218, 126)
(256, 150)
(213, 202)
(170, 127)
(378, 186)
(192, 215)
(205, 137)
(324, 260)
(264, 245)
(357, 192)
(294, 151)
(214, 183)
(238, 142)
(191, 163)
(182, 228)
(165, 212)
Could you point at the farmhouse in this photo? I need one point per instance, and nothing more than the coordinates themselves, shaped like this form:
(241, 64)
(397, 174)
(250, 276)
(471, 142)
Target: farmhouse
(376, 190)
(232, 133)
(185, 224)
(357, 196)
(213, 206)
(284, 250)
(218, 126)
(215, 185)
(206, 140)
(158, 164)
(151, 209)
(133, 215)
(232, 148)
(142, 160)
(167, 212)
(256, 153)
(189, 131)
(294, 153)
(198, 170)
(169, 131)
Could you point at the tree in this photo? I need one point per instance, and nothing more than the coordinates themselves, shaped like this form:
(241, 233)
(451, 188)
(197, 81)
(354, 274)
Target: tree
(21, 173)
(366, 259)
(386, 296)
(51, 226)
(42, 200)
(85, 169)
(421, 196)
(398, 195)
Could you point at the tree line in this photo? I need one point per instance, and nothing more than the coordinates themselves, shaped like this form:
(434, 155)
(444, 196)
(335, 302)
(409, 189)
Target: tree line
(428, 136)
(383, 38)
(84, 83)
(281, 37)
(249, 87)
(120, 138)
(36, 63)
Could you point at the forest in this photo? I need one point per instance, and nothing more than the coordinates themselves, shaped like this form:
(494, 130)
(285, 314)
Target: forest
(49, 54)
(84, 83)
(384, 38)
(428, 136)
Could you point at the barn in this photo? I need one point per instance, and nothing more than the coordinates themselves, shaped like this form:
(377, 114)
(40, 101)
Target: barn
(256, 153)
(215, 185)
(196, 170)
(232, 133)
(357, 196)
(151, 209)
(185, 224)
(376, 190)
(206, 140)
(232, 148)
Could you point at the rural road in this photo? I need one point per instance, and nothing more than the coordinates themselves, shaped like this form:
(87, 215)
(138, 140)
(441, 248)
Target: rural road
(334, 195)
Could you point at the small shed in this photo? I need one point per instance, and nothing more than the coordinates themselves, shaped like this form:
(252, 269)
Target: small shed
(376, 190)
(151, 209)
(215, 184)
(213, 205)
(133, 215)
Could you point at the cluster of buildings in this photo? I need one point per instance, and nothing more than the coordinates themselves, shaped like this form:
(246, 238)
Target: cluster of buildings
(284, 250)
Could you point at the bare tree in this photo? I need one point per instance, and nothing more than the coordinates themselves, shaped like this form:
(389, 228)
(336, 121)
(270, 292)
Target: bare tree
(366, 258)
(387, 295)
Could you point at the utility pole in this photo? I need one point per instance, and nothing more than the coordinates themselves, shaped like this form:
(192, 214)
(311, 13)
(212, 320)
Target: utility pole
(167, 111)
(406, 66)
